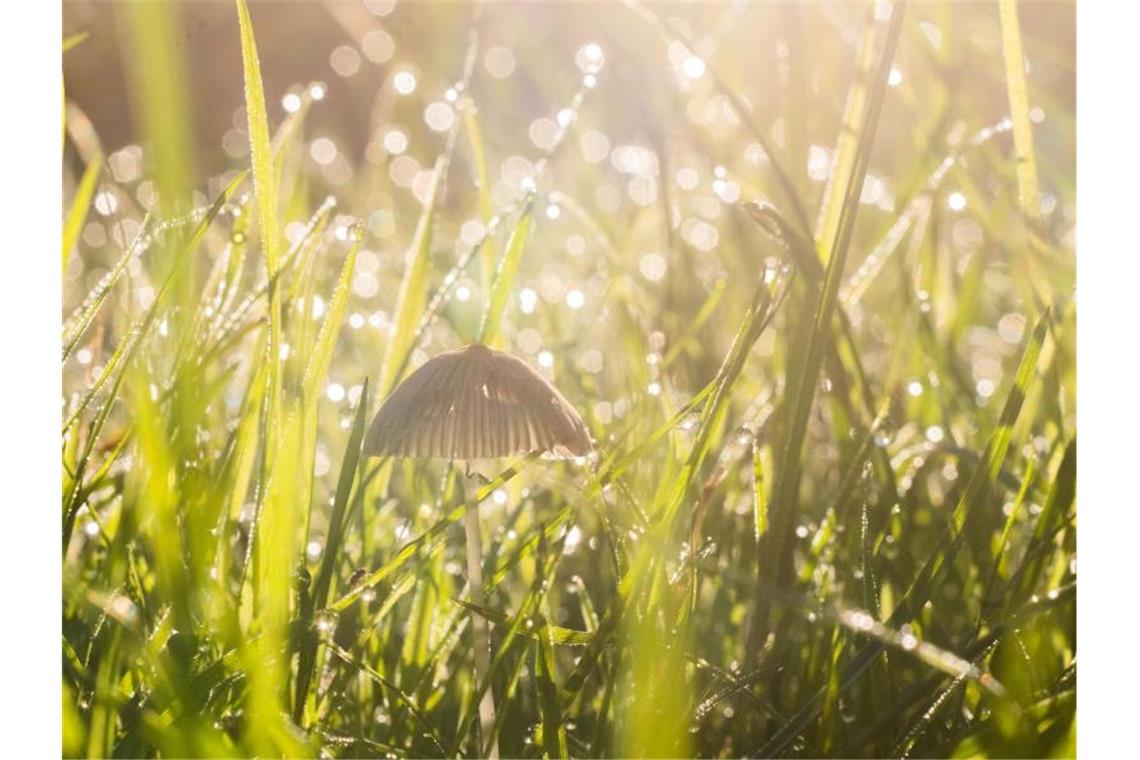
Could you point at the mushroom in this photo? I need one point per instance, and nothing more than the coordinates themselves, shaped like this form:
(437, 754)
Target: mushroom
(468, 404)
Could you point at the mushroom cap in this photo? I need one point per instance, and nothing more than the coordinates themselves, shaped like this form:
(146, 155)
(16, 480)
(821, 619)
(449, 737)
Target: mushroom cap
(476, 403)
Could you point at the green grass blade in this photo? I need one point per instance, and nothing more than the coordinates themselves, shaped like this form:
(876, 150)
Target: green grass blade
(916, 595)
(553, 725)
(1018, 90)
(80, 204)
(332, 554)
(265, 190)
(805, 385)
(322, 353)
(412, 298)
(847, 147)
(483, 183)
(261, 152)
(505, 274)
(983, 478)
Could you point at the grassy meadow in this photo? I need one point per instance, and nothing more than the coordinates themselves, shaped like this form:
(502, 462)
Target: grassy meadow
(805, 270)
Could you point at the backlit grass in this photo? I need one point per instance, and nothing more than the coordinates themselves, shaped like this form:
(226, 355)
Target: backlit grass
(807, 273)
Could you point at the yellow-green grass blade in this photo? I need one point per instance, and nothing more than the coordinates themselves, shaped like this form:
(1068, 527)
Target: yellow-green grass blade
(332, 553)
(843, 173)
(483, 184)
(265, 189)
(412, 297)
(274, 562)
(505, 274)
(1058, 508)
(984, 476)
(557, 634)
(80, 319)
(80, 205)
(322, 352)
(553, 725)
(320, 357)
(656, 685)
(74, 39)
(261, 152)
(1017, 88)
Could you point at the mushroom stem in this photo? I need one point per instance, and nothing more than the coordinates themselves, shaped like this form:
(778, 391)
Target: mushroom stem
(478, 622)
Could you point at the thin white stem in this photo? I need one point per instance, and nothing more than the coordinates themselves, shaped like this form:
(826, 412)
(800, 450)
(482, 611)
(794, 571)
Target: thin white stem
(478, 622)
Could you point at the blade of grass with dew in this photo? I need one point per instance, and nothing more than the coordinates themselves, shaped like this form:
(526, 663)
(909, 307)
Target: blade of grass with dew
(519, 622)
(505, 274)
(557, 635)
(276, 555)
(128, 345)
(267, 733)
(1061, 498)
(76, 492)
(317, 370)
(123, 354)
(80, 204)
(81, 318)
(407, 700)
(265, 191)
(756, 320)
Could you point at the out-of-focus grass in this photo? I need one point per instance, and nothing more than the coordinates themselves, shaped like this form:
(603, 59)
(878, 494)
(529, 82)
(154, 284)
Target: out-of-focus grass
(832, 507)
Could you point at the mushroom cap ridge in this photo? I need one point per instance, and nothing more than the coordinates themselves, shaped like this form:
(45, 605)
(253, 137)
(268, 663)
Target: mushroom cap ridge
(476, 403)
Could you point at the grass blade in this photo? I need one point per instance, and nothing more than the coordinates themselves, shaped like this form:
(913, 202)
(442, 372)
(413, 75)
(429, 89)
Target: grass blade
(80, 205)
(1018, 90)
(504, 280)
(788, 473)
(332, 554)
(412, 298)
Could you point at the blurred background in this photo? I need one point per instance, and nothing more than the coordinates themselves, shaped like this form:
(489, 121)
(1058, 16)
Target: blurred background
(357, 48)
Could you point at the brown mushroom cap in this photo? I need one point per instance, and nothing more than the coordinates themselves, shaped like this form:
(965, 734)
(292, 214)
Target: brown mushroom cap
(476, 403)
